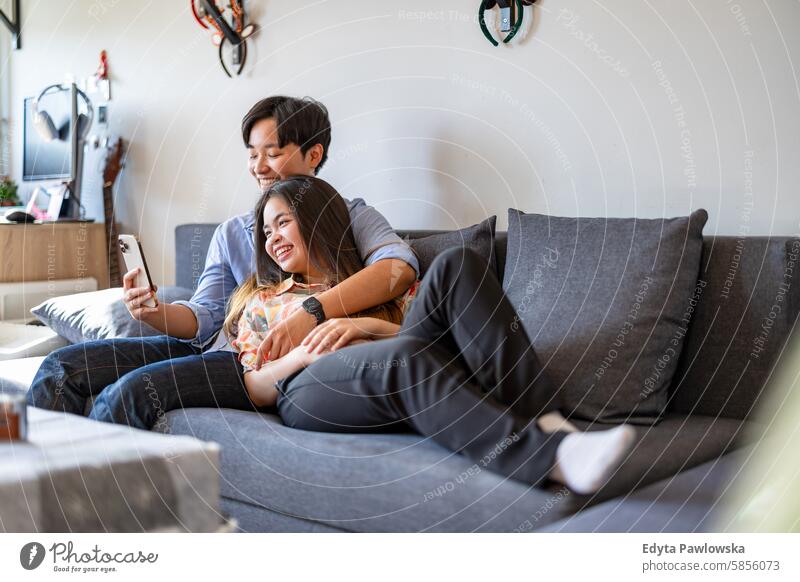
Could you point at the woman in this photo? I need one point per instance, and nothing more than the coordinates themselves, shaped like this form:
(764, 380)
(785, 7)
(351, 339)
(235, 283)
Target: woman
(454, 370)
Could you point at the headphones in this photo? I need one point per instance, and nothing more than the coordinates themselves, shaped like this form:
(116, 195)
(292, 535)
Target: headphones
(44, 123)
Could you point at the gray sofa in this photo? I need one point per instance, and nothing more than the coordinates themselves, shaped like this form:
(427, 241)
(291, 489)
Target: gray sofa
(275, 478)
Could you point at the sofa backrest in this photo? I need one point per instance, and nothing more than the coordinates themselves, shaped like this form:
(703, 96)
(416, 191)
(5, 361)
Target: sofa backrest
(748, 298)
(192, 241)
(745, 308)
(191, 247)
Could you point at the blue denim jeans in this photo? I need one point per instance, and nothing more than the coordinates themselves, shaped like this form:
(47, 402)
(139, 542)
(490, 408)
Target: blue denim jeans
(136, 381)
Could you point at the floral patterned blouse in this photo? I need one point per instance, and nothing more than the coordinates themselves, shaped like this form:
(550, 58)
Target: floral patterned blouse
(267, 308)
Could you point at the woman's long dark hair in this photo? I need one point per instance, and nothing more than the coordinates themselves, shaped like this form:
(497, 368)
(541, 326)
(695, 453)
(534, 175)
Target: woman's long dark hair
(325, 227)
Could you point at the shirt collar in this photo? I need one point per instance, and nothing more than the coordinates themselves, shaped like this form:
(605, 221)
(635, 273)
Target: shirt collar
(250, 223)
(290, 283)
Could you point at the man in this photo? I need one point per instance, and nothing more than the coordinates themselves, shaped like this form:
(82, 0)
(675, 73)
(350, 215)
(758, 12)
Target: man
(137, 380)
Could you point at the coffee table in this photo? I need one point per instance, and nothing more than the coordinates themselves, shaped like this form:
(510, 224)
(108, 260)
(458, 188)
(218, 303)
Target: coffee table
(78, 475)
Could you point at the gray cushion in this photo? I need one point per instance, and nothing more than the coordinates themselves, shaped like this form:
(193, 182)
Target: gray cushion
(255, 518)
(98, 314)
(478, 237)
(360, 482)
(736, 334)
(604, 301)
(677, 443)
(688, 502)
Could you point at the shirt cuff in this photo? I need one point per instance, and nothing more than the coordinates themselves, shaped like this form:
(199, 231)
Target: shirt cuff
(247, 360)
(206, 330)
(399, 251)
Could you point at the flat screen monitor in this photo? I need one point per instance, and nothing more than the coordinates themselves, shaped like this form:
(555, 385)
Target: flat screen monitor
(42, 160)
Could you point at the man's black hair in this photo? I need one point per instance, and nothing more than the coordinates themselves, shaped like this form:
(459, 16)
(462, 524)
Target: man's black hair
(303, 122)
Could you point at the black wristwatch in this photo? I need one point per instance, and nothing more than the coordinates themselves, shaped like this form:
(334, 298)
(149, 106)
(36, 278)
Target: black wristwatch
(314, 307)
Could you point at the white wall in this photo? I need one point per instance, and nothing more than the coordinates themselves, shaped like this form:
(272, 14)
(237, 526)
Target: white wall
(436, 127)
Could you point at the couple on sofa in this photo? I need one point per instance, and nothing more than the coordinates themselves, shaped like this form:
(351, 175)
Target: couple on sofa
(334, 331)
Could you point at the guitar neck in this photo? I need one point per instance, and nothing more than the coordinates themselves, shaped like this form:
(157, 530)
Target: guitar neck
(114, 279)
(110, 173)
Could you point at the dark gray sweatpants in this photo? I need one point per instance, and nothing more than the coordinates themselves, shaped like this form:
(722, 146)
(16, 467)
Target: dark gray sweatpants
(458, 372)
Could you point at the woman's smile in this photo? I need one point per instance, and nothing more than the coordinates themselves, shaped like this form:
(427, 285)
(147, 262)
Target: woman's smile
(282, 252)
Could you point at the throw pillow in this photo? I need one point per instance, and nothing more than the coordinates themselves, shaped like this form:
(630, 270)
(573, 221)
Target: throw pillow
(99, 314)
(606, 303)
(478, 237)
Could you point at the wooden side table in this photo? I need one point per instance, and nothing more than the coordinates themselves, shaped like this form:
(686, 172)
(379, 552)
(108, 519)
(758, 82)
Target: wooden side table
(53, 250)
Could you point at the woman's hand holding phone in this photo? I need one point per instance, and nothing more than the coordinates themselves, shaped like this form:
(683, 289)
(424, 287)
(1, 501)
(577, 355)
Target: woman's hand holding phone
(136, 297)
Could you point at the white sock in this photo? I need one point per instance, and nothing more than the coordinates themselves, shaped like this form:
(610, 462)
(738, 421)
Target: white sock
(584, 460)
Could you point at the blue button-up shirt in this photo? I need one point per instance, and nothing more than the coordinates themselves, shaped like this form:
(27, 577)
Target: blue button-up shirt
(231, 261)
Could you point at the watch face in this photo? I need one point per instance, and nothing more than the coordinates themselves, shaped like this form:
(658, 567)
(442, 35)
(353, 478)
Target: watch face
(314, 307)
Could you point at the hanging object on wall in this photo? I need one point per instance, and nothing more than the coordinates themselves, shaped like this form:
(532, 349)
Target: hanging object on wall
(511, 16)
(211, 15)
(100, 80)
(102, 69)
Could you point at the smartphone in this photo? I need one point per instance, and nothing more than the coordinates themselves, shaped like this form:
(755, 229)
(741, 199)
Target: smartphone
(132, 254)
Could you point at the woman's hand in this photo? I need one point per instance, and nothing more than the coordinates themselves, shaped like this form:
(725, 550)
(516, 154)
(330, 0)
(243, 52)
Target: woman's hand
(304, 357)
(284, 336)
(339, 332)
(135, 297)
(261, 383)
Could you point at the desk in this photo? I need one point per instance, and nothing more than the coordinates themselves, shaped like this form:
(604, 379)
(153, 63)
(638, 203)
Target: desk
(53, 250)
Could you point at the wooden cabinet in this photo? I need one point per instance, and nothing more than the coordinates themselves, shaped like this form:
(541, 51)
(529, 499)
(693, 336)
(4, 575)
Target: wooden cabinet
(54, 250)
